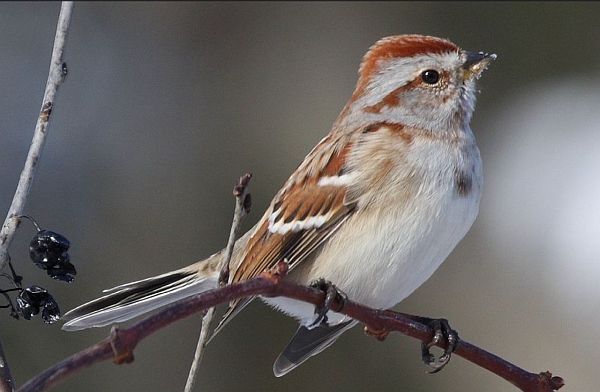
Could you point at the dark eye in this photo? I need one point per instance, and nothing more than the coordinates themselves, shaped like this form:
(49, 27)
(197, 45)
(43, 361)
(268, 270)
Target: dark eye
(430, 76)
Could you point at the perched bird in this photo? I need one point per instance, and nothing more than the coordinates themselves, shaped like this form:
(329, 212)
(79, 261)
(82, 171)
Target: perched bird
(374, 208)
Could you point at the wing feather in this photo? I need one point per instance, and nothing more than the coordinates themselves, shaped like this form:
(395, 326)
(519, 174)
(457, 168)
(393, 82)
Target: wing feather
(302, 216)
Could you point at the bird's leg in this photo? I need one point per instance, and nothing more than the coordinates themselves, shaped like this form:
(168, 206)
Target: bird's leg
(441, 332)
(332, 293)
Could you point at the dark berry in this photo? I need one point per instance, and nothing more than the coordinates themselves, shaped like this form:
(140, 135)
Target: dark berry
(32, 299)
(64, 270)
(47, 248)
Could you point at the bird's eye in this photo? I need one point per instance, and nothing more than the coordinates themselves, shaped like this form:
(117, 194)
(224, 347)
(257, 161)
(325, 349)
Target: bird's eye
(430, 76)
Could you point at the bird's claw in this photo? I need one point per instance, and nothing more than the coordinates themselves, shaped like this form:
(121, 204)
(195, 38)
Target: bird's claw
(331, 294)
(442, 332)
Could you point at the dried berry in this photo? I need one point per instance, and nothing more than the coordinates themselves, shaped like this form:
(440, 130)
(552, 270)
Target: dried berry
(64, 270)
(35, 298)
(47, 247)
(49, 251)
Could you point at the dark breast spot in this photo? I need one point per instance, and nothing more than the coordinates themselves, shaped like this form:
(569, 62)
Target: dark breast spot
(463, 183)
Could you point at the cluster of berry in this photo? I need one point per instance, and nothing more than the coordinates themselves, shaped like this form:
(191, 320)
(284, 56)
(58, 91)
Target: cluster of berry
(49, 251)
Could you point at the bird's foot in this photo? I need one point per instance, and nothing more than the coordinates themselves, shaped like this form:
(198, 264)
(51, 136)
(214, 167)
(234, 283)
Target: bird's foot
(441, 332)
(332, 293)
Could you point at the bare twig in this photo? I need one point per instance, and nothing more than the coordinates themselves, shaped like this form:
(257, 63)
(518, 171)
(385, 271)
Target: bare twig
(7, 383)
(121, 343)
(56, 75)
(200, 349)
(242, 207)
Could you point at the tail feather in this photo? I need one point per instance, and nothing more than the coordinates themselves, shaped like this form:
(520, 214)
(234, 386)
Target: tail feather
(307, 343)
(130, 300)
(133, 299)
(152, 280)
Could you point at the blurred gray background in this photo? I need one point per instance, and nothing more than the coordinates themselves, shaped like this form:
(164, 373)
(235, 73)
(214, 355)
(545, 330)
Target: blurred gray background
(165, 105)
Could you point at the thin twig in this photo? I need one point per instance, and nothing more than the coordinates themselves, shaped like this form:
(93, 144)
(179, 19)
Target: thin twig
(200, 349)
(7, 384)
(56, 75)
(120, 345)
(242, 207)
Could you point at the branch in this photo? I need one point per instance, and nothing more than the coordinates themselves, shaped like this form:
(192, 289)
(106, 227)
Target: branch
(56, 75)
(120, 345)
(242, 207)
(7, 383)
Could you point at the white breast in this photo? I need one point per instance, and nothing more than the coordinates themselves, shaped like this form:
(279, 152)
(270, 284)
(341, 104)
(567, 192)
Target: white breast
(389, 248)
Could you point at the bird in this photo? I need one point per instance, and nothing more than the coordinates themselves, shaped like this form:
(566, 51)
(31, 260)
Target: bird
(374, 208)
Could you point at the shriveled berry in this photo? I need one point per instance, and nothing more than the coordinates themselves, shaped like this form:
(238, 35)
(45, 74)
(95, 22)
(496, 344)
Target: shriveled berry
(32, 299)
(64, 271)
(49, 251)
(48, 248)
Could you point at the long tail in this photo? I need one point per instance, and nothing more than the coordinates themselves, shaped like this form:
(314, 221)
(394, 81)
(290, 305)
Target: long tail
(127, 301)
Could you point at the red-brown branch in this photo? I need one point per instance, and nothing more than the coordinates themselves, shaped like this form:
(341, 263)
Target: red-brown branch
(120, 344)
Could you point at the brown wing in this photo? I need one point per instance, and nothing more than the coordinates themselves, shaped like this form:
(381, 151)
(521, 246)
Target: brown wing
(309, 209)
(304, 219)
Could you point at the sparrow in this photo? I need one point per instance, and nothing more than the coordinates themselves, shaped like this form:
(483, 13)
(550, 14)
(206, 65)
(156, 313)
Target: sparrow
(374, 208)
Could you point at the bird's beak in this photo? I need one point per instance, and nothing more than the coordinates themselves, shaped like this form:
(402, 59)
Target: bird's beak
(475, 63)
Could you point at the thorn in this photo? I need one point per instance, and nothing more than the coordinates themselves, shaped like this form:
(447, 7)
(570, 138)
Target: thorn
(276, 273)
(241, 185)
(379, 334)
(281, 269)
(555, 382)
(121, 353)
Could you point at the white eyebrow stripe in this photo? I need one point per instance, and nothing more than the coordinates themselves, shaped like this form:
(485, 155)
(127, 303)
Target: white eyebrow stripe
(295, 226)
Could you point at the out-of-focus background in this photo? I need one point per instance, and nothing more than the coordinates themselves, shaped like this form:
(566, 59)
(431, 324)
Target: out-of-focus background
(166, 104)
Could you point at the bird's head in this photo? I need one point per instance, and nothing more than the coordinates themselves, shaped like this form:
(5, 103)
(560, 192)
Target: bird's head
(418, 81)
